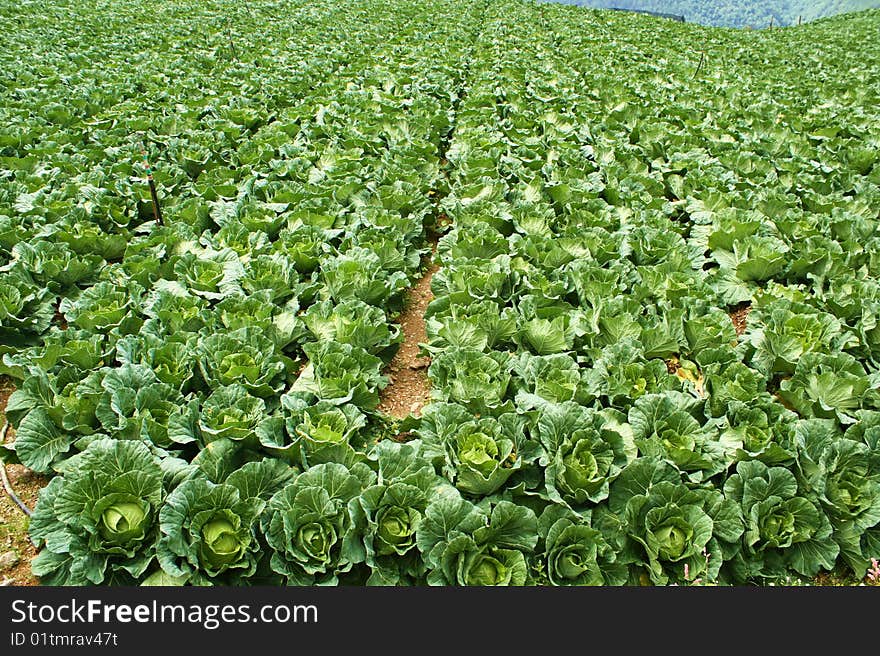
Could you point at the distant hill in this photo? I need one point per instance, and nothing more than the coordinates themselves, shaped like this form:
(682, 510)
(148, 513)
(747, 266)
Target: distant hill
(737, 13)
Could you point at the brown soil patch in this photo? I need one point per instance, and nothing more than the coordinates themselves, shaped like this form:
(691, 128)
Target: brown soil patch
(409, 389)
(738, 316)
(14, 543)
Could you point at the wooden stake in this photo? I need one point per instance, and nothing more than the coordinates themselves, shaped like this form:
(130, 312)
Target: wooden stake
(700, 65)
(799, 19)
(231, 42)
(157, 212)
(771, 22)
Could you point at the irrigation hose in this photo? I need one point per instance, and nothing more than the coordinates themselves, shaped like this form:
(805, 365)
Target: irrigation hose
(6, 484)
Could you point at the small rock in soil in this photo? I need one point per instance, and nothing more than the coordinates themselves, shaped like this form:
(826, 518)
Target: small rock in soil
(9, 560)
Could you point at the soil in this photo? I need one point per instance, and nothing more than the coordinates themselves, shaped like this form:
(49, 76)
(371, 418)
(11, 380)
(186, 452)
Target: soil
(14, 544)
(409, 389)
(738, 316)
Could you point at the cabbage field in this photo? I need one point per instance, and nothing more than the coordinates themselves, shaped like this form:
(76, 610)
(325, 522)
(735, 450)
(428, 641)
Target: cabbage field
(653, 338)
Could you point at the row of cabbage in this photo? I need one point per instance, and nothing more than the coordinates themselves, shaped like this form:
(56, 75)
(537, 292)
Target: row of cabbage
(243, 339)
(613, 199)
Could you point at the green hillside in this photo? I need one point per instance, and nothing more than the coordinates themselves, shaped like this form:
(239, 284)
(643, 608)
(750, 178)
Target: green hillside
(646, 263)
(738, 13)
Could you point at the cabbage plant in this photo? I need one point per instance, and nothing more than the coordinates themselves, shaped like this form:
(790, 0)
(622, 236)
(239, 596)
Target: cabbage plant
(575, 553)
(784, 529)
(99, 522)
(842, 475)
(309, 526)
(464, 545)
(245, 356)
(208, 532)
(584, 450)
(478, 455)
(340, 373)
(389, 513)
(474, 379)
(674, 532)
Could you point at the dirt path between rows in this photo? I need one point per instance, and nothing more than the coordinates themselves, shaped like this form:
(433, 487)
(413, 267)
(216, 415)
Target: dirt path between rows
(16, 551)
(409, 389)
(739, 315)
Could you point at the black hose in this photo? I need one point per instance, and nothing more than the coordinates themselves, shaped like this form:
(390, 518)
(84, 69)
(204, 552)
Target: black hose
(6, 484)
